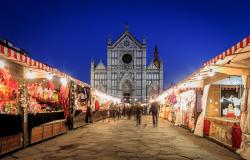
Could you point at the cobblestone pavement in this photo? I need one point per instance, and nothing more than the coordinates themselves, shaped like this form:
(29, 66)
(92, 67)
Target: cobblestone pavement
(122, 140)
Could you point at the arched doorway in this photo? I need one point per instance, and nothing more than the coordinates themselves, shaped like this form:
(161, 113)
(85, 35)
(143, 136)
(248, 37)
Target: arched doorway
(126, 91)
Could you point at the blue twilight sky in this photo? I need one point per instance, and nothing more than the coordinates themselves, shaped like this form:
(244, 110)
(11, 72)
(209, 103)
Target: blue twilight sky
(68, 34)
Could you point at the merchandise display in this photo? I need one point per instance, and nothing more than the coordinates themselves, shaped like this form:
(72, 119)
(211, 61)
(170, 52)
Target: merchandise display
(43, 99)
(230, 102)
(8, 93)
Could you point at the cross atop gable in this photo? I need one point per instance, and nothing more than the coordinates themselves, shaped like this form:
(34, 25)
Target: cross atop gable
(127, 41)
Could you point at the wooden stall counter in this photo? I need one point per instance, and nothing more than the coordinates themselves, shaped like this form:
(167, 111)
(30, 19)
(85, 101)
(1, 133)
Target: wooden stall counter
(11, 132)
(41, 129)
(48, 130)
(99, 115)
(79, 119)
(224, 120)
(221, 129)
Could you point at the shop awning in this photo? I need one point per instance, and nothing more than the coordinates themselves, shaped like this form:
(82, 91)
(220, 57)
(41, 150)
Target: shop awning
(233, 61)
(17, 57)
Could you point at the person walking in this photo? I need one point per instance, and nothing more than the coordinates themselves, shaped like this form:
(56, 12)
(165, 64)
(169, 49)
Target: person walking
(138, 114)
(154, 110)
(129, 112)
(119, 112)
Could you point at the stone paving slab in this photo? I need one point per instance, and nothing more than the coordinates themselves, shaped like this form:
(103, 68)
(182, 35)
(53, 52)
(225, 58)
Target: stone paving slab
(123, 140)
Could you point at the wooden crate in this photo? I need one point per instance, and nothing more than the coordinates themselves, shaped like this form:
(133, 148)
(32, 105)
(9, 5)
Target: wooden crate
(63, 128)
(56, 128)
(47, 131)
(37, 134)
(10, 143)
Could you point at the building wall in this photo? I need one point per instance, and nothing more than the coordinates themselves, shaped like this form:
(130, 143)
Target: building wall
(141, 77)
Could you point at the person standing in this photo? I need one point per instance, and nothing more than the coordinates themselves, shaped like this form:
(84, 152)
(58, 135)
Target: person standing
(124, 110)
(154, 110)
(89, 115)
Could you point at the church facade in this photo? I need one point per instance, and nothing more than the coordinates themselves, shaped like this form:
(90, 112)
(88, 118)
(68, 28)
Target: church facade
(127, 74)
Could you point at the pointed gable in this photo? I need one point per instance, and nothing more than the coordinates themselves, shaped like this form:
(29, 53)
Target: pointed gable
(152, 66)
(100, 66)
(127, 40)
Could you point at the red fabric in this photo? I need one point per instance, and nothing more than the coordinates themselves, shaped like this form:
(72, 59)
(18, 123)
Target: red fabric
(9, 52)
(206, 127)
(97, 105)
(186, 119)
(248, 40)
(64, 99)
(236, 136)
(2, 49)
(230, 115)
(51, 85)
(15, 55)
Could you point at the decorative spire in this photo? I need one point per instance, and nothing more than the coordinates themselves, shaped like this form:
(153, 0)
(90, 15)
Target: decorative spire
(156, 57)
(126, 27)
(144, 40)
(156, 53)
(92, 63)
(109, 40)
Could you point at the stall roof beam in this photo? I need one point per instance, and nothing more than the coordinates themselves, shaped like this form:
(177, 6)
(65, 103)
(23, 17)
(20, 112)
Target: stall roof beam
(217, 77)
(231, 70)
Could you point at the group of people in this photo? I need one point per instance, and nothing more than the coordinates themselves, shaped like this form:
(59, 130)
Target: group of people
(134, 110)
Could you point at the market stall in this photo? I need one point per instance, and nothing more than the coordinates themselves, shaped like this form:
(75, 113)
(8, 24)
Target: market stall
(101, 103)
(34, 99)
(186, 108)
(222, 115)
(80, 97)
(180, 105)
(38, 102)
(224, 112)
(167, 104)
(48, 106)
(11, 121)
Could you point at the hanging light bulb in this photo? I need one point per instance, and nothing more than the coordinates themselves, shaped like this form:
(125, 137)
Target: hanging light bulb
(63, 81)
(30, 74)
(199, 77)
(49, 76)
(2, 64)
